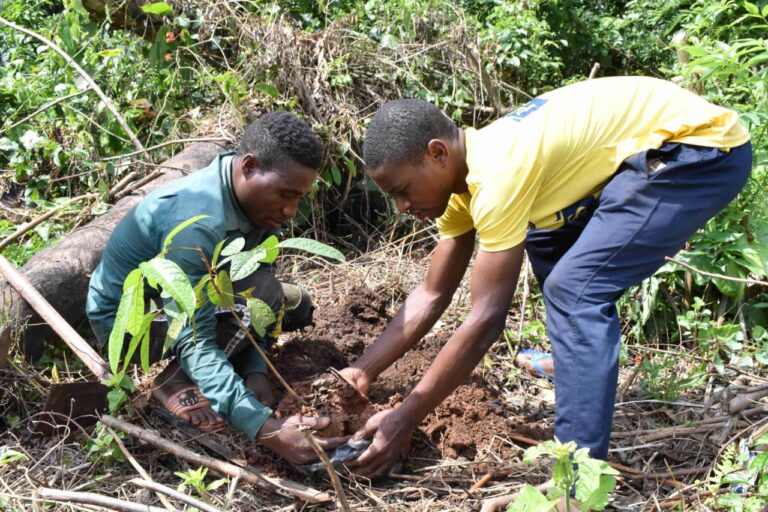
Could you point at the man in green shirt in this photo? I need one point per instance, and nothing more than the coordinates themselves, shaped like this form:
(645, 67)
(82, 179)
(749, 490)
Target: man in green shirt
(216, 374)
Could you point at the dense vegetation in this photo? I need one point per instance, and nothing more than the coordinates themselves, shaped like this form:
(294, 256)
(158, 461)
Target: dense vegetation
(205, 70)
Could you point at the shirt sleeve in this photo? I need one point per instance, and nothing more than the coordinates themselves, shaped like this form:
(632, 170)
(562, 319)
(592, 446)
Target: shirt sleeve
(197, 351)
(456, 219)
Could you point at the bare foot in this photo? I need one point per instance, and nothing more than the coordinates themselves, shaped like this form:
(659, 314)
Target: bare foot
(259, 385)
(177, 393)
(538, 364)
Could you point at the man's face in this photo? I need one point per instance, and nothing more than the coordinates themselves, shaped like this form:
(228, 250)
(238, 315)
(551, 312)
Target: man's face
(421, 189)
(269, 197)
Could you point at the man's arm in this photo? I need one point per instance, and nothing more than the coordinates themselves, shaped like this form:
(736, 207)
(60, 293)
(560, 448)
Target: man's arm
(494, 280)
(418, 314)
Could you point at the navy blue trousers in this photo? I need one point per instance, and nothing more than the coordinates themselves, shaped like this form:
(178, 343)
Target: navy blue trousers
(655, 202)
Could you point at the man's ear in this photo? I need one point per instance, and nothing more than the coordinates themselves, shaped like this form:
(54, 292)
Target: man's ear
(437, 149)
(249, 164)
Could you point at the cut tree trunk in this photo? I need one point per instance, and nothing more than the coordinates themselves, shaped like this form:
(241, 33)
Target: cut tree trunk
(61, 272)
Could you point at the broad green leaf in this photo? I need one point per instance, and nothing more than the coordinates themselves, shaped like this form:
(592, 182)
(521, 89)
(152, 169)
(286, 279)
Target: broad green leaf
(233, 247)
(225, 288)
(270, 245)
(261, 315)
(531, 499)
(158, 8)
(216, 252)
(313, 247)
(116, 398)
(246, 263)
(141, 333)
(271, 90)
(173, 280)
(136, 313)
(199, 287)
(183, 225)
(598, 499)
(119, 328)
(178, 322)
(222, 294)
(132, 279)
(335, 175)
(145, 343)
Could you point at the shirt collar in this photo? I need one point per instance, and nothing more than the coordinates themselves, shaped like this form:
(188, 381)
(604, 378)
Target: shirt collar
(235, 216)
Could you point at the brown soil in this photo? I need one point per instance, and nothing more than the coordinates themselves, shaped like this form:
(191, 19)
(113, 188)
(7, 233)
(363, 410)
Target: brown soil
(328, 396)
(468, 421)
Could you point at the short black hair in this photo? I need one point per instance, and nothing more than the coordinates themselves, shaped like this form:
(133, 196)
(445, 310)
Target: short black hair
(401, 130)
(278, 135)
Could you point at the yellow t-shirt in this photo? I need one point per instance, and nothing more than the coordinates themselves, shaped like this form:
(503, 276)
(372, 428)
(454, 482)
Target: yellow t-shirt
(534, 165)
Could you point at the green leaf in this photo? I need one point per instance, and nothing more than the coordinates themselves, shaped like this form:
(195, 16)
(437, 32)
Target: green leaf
(112, 52)
(8, 455)
(116, 398)
(233, 247)
(174, 330)
(173, 280)
(224, 296)
(262, 315)
(217, 252)
(598, 499)
(268, 89)
(138, 337)
(225, 288)
(313, 247)
(335, 174)
(531, 499)
(270, 245)
(246, 263)
(199, 287)
(183, 225)
(158, 8)
(119, 328)
(217, 483)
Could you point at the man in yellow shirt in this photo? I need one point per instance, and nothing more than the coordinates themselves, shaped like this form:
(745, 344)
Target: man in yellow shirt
(598, 181)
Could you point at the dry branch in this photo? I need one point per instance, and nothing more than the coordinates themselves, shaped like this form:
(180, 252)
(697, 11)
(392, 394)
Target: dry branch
(139, 469)
(719, 276)
(85, 76)
(41, 218)
(279, 485)
(45, 107)
(343, 503)
(160, 488)
(89, 498)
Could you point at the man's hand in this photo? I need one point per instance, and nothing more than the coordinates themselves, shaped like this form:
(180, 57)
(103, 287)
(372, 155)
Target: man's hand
(283, 437)
(357, 378)
(392, 432)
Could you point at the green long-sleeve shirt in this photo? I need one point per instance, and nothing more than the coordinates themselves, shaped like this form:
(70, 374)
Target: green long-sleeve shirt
(139, 237)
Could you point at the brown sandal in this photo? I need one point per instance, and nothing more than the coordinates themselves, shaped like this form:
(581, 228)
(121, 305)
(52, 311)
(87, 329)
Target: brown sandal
(190, 399)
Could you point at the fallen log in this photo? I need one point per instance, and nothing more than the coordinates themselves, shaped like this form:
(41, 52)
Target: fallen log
(61, 272)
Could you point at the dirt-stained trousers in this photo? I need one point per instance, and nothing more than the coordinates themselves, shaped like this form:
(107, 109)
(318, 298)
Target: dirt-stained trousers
(650, 208)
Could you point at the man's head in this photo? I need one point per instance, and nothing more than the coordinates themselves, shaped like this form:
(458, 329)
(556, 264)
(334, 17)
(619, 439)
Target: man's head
(416, 154)
(274, 167)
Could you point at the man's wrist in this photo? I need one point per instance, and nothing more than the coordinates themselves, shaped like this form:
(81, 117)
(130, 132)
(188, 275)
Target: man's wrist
(267, 429)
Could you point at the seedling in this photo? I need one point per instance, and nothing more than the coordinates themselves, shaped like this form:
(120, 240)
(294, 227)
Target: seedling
(591, 479)
(184, 298)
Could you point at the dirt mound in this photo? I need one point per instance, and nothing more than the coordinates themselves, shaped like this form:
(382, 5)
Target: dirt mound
(470, 420)
(329, 396)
